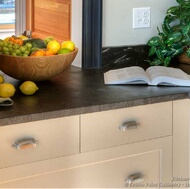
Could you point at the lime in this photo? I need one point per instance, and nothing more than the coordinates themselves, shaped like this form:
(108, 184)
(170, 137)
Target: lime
(2, 80)
(7, 90)
(68, 45)
(54, 46)
(48, 39)
(28, 88)
(63, 51)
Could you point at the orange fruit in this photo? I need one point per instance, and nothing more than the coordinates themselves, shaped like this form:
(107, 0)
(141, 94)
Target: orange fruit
(68, 45)
(40, 52)
(54, 46)
(49, 52)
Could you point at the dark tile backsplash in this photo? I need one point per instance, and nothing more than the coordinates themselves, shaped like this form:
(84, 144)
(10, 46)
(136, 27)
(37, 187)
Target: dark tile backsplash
(119, 57)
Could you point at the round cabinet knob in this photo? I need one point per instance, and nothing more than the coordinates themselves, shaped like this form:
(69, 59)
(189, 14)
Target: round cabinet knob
(25, 143)
(129, 125)
(135, 178)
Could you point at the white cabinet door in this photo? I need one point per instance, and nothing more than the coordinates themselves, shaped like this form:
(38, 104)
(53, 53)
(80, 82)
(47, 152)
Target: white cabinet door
(106, 168)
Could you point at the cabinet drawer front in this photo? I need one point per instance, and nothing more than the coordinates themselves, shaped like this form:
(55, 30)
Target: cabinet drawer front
(101, 130)
(54, 138)
(107, 168)
(110, 174)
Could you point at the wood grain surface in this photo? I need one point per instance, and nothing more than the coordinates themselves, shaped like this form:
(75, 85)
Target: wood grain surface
(49, 18)
(36, 68)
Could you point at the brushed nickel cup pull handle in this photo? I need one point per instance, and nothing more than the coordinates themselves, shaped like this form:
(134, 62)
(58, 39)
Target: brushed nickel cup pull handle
(129, 125)
(135, 178)
(25, 143)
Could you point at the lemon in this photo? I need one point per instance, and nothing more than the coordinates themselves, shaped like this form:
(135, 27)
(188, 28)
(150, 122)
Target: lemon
(2, 80)
(7, 90)
(54, 46)
(28, 88)
(63, 51)
(7, 39)
(68, 45)
(23, 37)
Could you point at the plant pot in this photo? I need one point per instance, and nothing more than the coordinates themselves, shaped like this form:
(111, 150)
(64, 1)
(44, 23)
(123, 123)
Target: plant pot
(183, 58)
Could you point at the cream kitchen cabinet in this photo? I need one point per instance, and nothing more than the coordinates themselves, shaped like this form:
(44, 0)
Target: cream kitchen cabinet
(40, 140)
(106, 168)
(181, 142)
(127, 125)
(109, 149)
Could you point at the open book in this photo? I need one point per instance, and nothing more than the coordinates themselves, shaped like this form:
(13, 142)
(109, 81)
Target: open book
(155, 75)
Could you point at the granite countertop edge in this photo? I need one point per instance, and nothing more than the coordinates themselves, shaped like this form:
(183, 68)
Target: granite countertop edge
(91, 109)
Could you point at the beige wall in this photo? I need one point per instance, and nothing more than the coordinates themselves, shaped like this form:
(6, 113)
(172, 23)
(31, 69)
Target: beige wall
(117, 21)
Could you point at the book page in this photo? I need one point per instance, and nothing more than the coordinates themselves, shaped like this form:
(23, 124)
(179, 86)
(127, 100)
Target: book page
(167, 76)
(129, 75)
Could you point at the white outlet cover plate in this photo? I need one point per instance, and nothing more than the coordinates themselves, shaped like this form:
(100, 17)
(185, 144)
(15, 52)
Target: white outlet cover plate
(141, 17)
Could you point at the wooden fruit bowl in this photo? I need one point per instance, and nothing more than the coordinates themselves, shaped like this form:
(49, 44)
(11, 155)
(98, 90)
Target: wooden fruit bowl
(36, 68)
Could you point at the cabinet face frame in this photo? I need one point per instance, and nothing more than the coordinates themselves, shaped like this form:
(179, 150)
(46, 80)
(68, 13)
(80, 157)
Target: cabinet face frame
(181, 144)
(29, 14)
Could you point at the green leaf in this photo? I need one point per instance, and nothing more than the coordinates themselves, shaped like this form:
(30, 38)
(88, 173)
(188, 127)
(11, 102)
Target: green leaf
(188, 53)
(173, 10)
(166, 26)
(162, 34)
(164, 52)
(173, 37)
(152, 51)
(168, 22)
(178, 52)
(185, 41)
(154, 41)
(186, 29)
(170, 51)
(159, 54)
(167, 61)
(156, 62)
(180, 1)
(176, 46)
(185, 4)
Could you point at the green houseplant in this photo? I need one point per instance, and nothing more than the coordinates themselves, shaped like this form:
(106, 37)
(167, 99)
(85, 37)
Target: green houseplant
(174, 38)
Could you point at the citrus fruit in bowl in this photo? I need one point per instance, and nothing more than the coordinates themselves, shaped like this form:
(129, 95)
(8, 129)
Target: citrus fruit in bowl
(36, 68)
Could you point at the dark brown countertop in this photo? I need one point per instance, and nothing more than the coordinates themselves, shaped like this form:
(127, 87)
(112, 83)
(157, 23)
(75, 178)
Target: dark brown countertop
(78, 91)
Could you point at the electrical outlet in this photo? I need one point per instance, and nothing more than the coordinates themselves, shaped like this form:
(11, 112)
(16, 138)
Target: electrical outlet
(141, 17)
